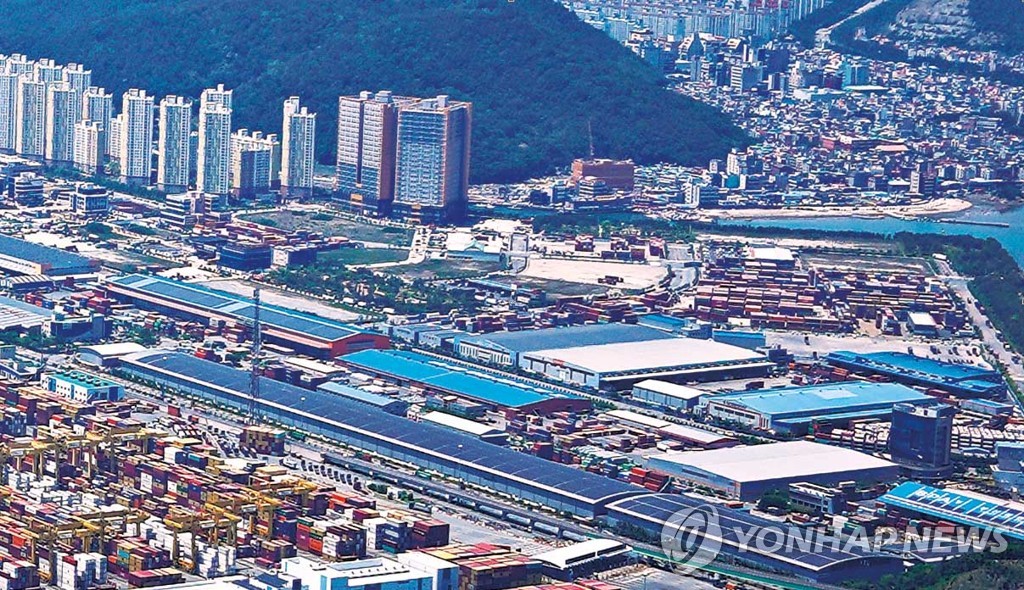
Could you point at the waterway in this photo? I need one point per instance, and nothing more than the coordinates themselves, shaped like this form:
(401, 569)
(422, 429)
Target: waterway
(1011, 237)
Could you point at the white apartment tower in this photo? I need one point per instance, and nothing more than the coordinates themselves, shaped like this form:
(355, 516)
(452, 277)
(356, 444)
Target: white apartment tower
(298, 145)
(63, 105)
(8, 111)
(213, 165)
(98, 107)
(79, 78)
(136, 137)
(174, 153)
(30, 119)
(90, 146)
(253, 158)
(49, 72)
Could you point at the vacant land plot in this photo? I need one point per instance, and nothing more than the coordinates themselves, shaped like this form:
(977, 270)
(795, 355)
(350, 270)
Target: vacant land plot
(358, 256)
(330, 225)
(443, 269)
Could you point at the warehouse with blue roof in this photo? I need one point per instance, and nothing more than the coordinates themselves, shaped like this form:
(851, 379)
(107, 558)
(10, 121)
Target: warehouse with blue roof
(963, 381)
(303, 332)
(20, 257)
(792, 410)
(437, 376)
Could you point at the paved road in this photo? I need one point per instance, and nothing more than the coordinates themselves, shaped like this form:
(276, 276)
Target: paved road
(997, 349)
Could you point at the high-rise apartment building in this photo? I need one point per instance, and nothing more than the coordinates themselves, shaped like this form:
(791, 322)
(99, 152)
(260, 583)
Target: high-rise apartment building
(18, 64)
(98, 107)
(136, 137)
(213, 166)
(63, 105)
(365, 173)
(8, 111)
(76, 76)
(48, 71)
(174, 153)
(90, 146)
(30, 120)
(298, 146)
(252, 163)
(432, 159)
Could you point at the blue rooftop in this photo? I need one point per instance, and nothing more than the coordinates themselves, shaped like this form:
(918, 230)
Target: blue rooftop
(925, 367)
(237, 306)
(829, 398)
(449, 377)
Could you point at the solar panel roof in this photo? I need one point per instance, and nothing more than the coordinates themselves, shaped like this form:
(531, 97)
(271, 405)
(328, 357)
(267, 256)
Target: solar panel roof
(240, 307)
(444, 443)
(960, 507)
(736, 525)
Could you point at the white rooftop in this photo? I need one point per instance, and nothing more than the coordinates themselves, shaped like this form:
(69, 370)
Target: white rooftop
(774, 254)
(670, 389)
(116, 349)
(775, 461)
(563, 557)
(652, 354)
(681, 431)
(461, 424)
(921, 318)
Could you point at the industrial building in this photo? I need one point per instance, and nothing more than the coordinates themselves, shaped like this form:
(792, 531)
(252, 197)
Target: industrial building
(469, 427)
(584, 559)
(82, 387)
(823, 559)
(960, 507)
(793, 410)
(963, 381)
(748, 472)
(920, 439)
(621, 365)
(107, 355)
(381, 402)
(25, 258)
(667, 395)
(505, 348)
(18, 315)
(302, 332)
(358, 425)
(440, 377)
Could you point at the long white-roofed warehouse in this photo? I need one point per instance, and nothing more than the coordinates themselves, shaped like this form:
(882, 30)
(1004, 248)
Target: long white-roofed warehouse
(622, 365)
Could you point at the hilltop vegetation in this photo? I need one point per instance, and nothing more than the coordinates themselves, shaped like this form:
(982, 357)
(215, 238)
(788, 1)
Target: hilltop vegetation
(536, 74)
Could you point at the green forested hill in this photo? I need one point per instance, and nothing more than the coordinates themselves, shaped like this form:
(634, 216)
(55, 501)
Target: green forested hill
(535, 74)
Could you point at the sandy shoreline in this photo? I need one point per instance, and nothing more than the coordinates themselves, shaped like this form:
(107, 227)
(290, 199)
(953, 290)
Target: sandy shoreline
(944, 206)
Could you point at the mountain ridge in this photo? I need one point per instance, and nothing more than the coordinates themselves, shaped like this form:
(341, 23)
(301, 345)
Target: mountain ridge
(538, 77)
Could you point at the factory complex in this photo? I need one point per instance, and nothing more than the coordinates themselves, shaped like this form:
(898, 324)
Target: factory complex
(466, 458)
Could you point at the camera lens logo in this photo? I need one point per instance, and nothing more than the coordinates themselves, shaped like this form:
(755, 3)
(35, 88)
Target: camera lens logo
(692, 538)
